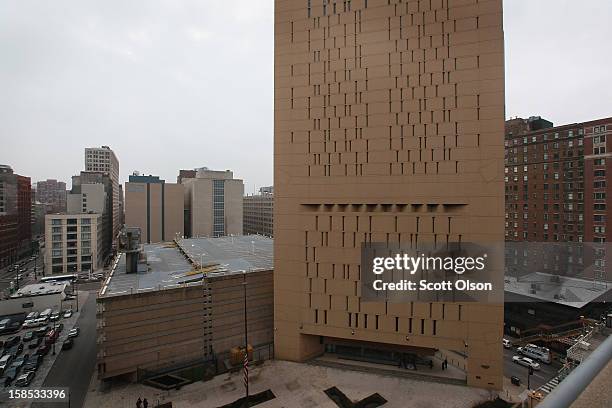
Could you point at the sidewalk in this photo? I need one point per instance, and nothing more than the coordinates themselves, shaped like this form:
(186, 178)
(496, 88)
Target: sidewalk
(294, 385)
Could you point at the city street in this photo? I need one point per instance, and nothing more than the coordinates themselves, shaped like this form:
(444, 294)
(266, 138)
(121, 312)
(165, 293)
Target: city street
(539, 377)
(6, 277)
(75, 367)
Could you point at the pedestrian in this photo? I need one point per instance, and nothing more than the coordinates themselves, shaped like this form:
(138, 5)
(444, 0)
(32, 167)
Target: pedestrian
(139, 403)
(145, 403)
(445, 363)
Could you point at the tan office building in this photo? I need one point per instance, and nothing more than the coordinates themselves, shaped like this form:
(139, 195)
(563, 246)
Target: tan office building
(213, 200)
(389, 127)
(103, 159)
(74, 243)
(155, 207)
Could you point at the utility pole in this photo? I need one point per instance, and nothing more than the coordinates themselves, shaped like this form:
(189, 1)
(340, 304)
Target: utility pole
(54, 335)
(76, 290)
(529, 374)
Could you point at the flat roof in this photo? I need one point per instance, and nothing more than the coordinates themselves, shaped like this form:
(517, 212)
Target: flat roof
(169, 265)
(569, 291)
(39, 289)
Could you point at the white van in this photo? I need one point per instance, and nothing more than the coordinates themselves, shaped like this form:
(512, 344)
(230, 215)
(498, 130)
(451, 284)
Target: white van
(45, 314)
(538, 353)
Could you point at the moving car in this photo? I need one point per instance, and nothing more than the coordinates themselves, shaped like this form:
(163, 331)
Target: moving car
(526, 361)
(24, 379)
(68, 314)
(68, 344)
(74, 332)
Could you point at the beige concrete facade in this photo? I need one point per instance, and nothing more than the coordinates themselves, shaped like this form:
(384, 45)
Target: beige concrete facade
(92, 198)
(214, 204)
(74, 243)
(389, 127)
(189, 324)
(156, 208)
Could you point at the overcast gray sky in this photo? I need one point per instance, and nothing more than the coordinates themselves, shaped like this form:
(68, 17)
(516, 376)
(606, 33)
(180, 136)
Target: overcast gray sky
(172, 84)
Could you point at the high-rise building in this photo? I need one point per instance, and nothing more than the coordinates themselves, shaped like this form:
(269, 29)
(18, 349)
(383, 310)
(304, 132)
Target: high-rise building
(52, 193)
(389, 121)
(15, 215)
(258, 211)
(73, 243)
(103, 159)
(556, 181)
(213, 203)
(92, 193)
(155, 207)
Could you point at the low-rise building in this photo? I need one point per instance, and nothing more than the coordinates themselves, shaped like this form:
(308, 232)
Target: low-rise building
(185, 305)
(35, 297)
(74, 243)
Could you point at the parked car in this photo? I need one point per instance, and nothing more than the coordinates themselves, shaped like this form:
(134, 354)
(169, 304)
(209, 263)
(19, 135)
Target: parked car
(55, 316)
(51, 336)
(5, 362)
(506, 343)
(32, 315)
(68, 344)
(43, 350)
(526, 361)
(42, 332)
(11, 341)
(21, 360)
(68, 314)
(33, 363)
(74, 332)
(24, 379)
(10, 375)
(28, 336)
(35, 343)
(16, 350)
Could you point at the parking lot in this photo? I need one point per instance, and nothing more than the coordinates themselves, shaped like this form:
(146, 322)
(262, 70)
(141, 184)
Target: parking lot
(50, 356)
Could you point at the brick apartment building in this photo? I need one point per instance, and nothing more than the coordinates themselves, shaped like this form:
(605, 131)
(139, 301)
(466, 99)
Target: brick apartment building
(52, 193)
(556, 180)
(15, 215)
